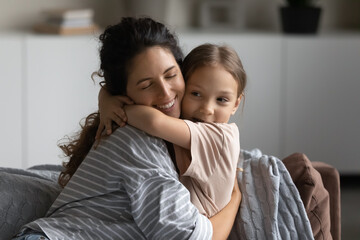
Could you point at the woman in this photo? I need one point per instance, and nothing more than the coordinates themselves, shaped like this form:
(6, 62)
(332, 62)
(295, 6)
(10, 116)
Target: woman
(128, 188)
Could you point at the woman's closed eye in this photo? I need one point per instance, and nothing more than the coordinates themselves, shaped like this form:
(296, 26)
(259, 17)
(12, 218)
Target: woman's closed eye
(145, 85)
(171, 76)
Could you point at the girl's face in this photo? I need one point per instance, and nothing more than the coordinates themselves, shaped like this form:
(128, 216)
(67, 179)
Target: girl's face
(155, 80)
(210, 95)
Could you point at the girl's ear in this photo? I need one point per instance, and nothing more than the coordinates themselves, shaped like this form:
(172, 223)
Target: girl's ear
(237, 103)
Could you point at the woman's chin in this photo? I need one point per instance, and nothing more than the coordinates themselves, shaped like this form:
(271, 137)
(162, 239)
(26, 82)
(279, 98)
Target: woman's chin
(173, 111)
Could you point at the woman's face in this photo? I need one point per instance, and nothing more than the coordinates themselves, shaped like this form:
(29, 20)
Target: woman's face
(155, 80)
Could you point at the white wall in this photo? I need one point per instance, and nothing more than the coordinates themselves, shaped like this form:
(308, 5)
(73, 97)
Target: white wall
(11, 100)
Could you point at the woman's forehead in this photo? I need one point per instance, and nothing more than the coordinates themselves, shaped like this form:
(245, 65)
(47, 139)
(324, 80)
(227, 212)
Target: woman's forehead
(151, 62)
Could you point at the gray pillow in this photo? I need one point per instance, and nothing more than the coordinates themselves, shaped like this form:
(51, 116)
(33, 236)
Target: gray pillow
(26, 195)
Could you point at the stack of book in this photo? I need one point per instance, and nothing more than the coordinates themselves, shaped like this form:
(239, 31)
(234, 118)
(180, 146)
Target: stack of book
(67, 22)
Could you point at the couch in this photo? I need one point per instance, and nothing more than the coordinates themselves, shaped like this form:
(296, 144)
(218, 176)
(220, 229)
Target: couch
(26, 194)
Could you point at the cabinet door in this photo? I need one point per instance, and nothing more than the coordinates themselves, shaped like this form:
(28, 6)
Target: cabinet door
(59, 91)
(322, 100)
(259, 119)
(11, 97)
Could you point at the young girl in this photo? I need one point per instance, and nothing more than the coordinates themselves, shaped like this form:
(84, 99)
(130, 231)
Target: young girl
(206, 146)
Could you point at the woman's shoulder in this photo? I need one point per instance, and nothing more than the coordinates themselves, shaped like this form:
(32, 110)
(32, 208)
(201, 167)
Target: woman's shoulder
(131, 137)
(128, 132)
(130, 148)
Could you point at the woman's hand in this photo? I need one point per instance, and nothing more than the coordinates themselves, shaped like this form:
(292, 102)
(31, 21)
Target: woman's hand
(236, 191)
(223, 221)
(111, 110)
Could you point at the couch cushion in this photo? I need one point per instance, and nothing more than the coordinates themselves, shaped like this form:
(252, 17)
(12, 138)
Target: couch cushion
(313, 193)
(25, 195)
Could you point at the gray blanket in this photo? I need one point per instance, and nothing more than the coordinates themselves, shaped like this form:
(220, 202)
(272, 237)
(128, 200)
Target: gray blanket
(271, 207)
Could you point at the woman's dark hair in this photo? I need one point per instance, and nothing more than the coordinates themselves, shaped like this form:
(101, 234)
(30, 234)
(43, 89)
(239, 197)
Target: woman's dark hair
(120, 43)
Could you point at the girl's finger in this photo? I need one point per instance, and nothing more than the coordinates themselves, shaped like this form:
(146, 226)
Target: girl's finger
(99, 131)
(98, 134)
(108, 127)
(121, 114)
(125, 100)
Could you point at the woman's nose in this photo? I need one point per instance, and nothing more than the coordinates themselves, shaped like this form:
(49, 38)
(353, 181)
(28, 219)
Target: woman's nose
(164, 89)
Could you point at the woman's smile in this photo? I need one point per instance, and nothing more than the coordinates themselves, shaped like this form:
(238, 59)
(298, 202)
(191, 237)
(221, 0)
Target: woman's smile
(167, 106)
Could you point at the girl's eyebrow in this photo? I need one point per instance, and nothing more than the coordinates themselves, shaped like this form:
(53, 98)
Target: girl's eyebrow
(222, 92)
(148, 78)
(226, 92)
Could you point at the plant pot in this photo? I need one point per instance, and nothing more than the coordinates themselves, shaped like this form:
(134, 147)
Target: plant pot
(300, 19)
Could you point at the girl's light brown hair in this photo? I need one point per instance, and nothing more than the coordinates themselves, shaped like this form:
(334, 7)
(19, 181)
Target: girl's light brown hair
(211, 54)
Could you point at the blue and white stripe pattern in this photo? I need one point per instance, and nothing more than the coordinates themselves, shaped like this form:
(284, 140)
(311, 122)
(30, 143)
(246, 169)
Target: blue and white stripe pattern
(127, 188)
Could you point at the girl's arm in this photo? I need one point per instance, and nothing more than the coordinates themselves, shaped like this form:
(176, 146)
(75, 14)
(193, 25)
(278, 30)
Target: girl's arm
(223, 221)
(156, 123)
(111, 109)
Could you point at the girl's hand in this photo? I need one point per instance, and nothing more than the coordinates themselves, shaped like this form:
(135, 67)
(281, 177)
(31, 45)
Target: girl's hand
(111, 111)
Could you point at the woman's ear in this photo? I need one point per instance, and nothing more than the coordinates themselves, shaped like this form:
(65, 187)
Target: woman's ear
(236, 106)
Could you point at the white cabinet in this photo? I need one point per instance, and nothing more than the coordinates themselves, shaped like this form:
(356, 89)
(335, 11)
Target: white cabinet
(11, 99)
(59, 92)
(321, 106)
(302, 94)
(46, 89)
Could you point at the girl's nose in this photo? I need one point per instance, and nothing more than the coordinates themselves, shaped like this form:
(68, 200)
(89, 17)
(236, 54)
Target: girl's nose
(206, 108)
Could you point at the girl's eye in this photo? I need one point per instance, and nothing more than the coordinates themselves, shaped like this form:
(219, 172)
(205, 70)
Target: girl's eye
(196, 94)
(222, 99)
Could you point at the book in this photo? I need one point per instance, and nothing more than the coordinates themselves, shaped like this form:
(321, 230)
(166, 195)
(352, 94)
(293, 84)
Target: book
(67, 22)
(85, 13)
(76, 22)
(61, 30)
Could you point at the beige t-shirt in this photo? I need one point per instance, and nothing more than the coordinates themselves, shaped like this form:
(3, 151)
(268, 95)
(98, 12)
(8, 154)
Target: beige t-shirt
(211, 162)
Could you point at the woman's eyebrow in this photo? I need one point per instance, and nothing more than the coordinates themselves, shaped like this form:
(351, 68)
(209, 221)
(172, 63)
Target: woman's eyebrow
(142, 80)
(168, 69)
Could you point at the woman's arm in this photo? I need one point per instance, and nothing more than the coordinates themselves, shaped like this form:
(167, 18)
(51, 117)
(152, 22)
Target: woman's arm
(156, 123)
(223, 221)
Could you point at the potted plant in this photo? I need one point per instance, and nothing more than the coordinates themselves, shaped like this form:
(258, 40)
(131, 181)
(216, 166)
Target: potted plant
(300, 16)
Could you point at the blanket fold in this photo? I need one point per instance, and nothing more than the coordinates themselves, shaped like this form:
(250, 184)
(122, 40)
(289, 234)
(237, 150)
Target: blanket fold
(271, 207)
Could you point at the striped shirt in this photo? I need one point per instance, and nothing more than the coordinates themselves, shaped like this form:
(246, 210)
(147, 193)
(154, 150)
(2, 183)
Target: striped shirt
(126, 188)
